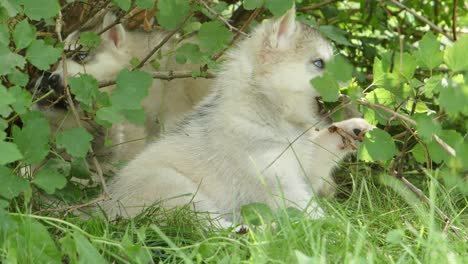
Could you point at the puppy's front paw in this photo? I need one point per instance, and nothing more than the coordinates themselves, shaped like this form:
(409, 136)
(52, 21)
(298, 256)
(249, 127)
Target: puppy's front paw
(351, 131)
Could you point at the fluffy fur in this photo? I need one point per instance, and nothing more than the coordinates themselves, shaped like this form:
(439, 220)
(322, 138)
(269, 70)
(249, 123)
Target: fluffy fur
(167, 101)
(234, 148)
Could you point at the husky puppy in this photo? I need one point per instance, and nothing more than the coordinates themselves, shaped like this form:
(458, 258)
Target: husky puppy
(250, 139)
(167, 100)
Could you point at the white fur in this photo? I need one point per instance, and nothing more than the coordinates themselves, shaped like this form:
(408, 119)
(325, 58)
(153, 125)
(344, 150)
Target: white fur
(167, 101)
(234, 148)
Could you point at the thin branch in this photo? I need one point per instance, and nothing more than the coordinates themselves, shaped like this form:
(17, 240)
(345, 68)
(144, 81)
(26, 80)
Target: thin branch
(168, 76)
(427, 201)
(316, 6)
(454, 19)
(442, 143)
(421, 18)
(163, 41)
(58, 30)
(243, 28)
(214, 13)
(72, 208)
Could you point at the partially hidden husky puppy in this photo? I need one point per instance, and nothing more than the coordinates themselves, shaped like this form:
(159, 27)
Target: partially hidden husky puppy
(167, 100)
(249, 140)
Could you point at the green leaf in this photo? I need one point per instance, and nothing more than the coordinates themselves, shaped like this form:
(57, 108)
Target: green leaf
(4, 35)
(10, 61)
(214, 37)
(256, 213)
(33, 138)
(90, 40)
(5, 100)
(18, 78)
(172, 12)
(80, 169)
(110, 114)
(76, 141)
(455, 56)
(123, 4)
(49, 180)
(432, 85)
(427, 127)
(340, 69)
(9, 152)
(145, 4)
(85, 88)
(33, 239)
(381, 73)
(436, 152)
(408, 65)
(454, 97)
(40, 9)
(24, 34)
(380, 96)
(279, 7)
(378, 145)
(135, 116)
(132, 88)
(253, 4)
(429, 53)
(335, 34)
(42, 55)
(189, 52)
(12, 7)
(23, 99)
(12, 185)
(87, 253)
(327, 87)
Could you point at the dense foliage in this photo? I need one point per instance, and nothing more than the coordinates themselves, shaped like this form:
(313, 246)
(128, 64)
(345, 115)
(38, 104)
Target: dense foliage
(404, 64)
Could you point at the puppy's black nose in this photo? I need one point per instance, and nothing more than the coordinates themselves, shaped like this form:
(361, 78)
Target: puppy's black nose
(357, 131)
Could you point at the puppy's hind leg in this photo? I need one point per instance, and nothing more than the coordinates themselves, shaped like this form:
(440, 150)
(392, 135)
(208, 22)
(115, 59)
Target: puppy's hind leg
(165, 185)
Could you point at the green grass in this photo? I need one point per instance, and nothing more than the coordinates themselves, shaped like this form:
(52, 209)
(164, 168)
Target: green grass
(373, 220)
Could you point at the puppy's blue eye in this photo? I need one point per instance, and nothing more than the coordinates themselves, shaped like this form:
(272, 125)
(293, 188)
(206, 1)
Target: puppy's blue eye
(319, 63)
(80, 56)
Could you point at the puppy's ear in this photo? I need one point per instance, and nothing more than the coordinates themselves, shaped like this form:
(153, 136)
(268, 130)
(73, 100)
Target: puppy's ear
(284, 28)
(116, 34)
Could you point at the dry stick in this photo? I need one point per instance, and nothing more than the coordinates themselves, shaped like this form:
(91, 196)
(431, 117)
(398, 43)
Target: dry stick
(165, 39)
(442, 143)
(427, 201)
(58, 30)
(454, 19)
(231, 27)
(421, 18)
(71, 208)
(168, 76)
(243, 28)
(400, 176)
(317, 6)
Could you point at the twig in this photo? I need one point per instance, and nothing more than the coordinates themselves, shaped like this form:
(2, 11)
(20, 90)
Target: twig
(442, 143)
(427, 201)
(231, 27)
(71, 208)
(454, 19)
(168, 76)
(58, 30)
(316, 6)
(243, 28)
(421, 18)
(163, 41)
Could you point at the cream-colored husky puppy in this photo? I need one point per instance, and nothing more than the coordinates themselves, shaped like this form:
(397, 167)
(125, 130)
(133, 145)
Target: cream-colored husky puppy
(250, 139)
(167, 100)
